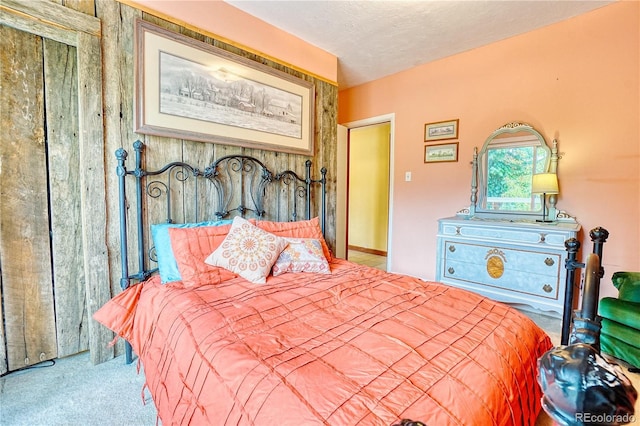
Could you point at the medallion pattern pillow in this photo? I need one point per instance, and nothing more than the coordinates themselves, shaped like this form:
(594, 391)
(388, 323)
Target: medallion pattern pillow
(248, 251)
(302, 255)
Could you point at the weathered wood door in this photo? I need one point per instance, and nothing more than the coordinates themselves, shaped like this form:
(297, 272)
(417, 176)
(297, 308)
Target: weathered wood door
(42, 276)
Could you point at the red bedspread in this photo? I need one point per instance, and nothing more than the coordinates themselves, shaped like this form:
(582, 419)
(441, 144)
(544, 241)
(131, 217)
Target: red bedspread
(359, 346)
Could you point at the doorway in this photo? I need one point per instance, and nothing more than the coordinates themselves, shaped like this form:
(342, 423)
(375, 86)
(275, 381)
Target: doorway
(72, 70)
(42, 275)
(365, 179)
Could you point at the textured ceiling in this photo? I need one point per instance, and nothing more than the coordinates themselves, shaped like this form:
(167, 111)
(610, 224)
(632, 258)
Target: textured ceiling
(376, 38)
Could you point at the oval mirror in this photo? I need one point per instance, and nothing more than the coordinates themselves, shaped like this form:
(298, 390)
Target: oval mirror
(509, 158)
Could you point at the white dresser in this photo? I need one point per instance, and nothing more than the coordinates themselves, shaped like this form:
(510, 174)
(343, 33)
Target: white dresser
(512, 261)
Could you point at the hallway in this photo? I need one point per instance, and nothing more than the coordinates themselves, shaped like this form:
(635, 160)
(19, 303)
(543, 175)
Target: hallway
(369, 259)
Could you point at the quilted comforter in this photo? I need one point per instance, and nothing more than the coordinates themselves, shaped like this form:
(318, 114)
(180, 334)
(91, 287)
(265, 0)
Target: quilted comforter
(357, 347)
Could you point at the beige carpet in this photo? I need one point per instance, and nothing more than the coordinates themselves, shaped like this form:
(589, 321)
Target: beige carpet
(73, 392)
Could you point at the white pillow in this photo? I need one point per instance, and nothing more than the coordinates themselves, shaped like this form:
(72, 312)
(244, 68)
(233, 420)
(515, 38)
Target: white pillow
(302, 255)
(248, 251)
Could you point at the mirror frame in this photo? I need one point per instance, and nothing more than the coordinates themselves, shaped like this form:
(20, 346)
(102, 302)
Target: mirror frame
(493, 140)
(479, 173)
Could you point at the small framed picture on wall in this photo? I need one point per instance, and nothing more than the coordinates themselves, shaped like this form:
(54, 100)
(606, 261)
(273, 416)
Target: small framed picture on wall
(441, 152)
(441, 130)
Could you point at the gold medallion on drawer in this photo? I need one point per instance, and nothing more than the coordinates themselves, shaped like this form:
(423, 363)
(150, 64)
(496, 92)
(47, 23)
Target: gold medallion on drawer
(495, 263)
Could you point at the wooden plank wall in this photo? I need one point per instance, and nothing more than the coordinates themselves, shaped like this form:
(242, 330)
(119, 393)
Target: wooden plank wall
(118, 22)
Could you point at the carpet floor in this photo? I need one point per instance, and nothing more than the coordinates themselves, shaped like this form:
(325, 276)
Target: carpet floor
(75, 392)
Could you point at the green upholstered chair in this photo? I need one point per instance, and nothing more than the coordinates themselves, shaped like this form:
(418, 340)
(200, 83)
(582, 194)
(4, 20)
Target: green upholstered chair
(620, 335)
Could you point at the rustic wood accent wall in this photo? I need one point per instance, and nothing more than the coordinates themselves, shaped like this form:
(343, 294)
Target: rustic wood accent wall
(114, 83)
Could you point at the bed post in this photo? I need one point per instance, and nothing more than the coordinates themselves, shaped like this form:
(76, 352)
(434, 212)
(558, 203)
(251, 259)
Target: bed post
(121, 171)
(598, 236)
(323, 199)
(589, 321)
(138, 146)
(323, 180)
(572, 246)
(308, 180)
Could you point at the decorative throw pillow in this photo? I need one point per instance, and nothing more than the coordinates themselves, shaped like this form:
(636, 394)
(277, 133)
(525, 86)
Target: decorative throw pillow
(248, 251)
(299, 229)
(191, 246)
(167, 266)
(301, 255)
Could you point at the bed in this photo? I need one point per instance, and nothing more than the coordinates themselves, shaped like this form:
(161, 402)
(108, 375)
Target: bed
(322, 340)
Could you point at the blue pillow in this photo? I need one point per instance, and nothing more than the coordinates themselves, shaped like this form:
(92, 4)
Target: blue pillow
(167, 265)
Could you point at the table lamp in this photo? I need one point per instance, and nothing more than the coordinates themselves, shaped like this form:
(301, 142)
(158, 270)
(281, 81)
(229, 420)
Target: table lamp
(544, 183)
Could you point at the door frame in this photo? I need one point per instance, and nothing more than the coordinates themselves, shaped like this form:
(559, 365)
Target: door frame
(343, 165)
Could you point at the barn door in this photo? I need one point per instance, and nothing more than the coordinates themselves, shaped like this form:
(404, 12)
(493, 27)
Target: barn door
(42, 278)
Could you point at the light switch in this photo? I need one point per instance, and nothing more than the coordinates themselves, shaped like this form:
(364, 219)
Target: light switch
(407, 176)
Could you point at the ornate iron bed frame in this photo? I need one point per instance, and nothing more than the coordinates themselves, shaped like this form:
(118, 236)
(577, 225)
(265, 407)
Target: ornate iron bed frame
(232, 178)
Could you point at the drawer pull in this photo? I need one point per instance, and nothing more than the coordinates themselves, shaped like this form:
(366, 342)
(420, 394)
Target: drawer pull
(495, 267)
(452, 248)
(547, 288)
(549, 261)
(451, 270)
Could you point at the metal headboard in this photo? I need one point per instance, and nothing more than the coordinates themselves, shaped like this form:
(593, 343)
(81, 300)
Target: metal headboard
(230, 179)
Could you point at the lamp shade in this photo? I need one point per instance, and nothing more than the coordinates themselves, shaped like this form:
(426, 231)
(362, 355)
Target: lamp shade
(544, 183)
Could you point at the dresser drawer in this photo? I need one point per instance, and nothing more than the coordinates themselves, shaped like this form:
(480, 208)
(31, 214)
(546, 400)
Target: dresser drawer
(523, 283)
(492, 258)
(552, 238)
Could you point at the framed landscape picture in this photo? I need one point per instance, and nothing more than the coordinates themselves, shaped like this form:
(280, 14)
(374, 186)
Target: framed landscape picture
(441, 152)
(188, 89)
(441, 130)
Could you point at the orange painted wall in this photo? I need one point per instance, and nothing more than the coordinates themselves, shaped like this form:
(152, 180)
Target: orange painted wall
(577, 81)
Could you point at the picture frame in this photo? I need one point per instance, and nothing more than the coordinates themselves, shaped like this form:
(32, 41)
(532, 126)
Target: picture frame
(441, 130)
(439, 153)
(188, 89)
